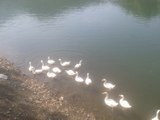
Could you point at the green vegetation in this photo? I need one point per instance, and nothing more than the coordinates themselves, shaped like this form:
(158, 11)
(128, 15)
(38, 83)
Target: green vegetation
(141, 8)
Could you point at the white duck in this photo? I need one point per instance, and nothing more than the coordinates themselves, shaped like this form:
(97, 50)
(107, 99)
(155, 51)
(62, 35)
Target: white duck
(78, 64)
(88, 80)
(107, 85)
(31, 68)
(44, 67)
(110, 102)
(37, 71)
(156, 117)
(66, 63)
(56, 70)
(70, 72)
(51, 74)
(124, 103)
(50, 61)
(78, 79)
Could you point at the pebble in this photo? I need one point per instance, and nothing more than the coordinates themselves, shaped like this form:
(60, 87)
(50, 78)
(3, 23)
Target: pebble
(2, 76)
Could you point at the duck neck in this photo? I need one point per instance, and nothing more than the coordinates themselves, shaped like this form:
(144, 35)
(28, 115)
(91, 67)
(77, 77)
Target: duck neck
(106, 96)
(76, 74)
(157, 113)
(60, 61)
(87, 75)
(42, 63)
(33, 72)
(122, 98)
(105, 81)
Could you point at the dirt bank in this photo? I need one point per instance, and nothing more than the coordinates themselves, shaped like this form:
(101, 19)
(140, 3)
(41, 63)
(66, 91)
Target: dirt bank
(24, 98)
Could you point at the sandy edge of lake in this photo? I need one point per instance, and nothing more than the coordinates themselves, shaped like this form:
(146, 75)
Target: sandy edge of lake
(22, 97)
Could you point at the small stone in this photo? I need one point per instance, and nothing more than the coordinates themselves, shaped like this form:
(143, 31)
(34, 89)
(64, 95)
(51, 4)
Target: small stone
(2, 76)
(8, 112)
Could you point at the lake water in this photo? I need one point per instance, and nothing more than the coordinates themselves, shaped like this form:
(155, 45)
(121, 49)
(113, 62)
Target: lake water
(116, 39)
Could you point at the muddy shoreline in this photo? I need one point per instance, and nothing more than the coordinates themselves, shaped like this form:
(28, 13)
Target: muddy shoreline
(22, 97)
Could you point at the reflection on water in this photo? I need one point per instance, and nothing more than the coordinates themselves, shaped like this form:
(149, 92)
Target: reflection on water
(42, 9)
(111, 42)
(141, 8)
(49, 8)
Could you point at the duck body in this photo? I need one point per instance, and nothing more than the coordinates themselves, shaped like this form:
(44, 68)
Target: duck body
(88, 80)
(156, 117)
(78, 65)
(50, 61)
(31, 68)
(51, 74)
(56, 70)
(44, 67)
(107, 85)
(110, 102)
(124, 103)
(37, 71)
(78, 79)
(64, 63)
(70, 72)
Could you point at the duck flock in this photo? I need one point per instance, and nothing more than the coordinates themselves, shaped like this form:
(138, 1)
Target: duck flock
(53, 71)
